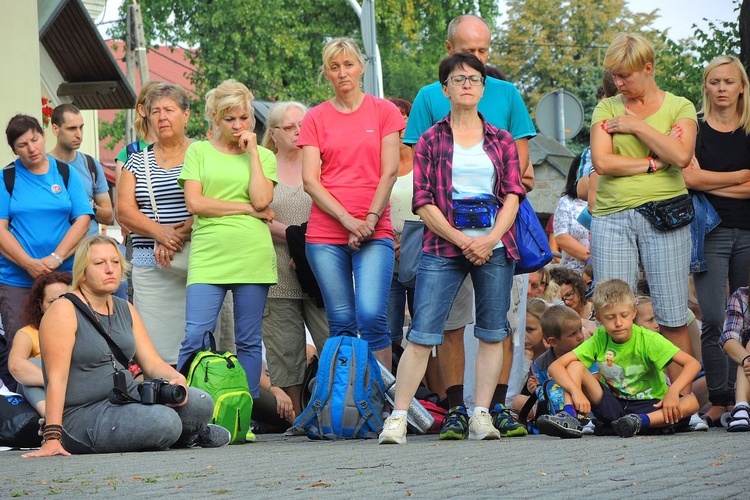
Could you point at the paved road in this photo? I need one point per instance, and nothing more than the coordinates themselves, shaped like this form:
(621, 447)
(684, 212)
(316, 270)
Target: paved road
(697, 465)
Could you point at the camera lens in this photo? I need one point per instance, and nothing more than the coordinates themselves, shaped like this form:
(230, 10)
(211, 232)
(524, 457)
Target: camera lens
(172, 394)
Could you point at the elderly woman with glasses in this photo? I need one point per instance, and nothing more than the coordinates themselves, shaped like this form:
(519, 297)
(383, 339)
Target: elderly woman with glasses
(467, 188)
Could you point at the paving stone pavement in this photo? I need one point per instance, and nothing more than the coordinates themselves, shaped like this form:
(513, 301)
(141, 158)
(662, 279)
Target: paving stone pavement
(710, 464)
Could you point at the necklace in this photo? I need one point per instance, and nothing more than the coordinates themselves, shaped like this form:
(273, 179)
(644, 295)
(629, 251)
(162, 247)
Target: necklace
(164, 159)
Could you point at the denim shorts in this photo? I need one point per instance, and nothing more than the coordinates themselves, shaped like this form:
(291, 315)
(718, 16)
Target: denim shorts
(438, 282)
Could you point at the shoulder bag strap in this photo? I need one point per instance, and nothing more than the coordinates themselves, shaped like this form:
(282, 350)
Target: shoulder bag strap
(116, 351)
(147, 166)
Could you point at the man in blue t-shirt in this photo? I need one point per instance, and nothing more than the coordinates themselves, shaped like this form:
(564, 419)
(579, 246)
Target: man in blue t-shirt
(502, 106)
(67, 125)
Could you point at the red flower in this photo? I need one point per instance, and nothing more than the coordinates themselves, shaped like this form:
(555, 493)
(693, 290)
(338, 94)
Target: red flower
(46, 111)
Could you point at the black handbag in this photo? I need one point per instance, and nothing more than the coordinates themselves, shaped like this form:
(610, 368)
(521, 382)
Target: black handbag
(19, 422)
(668, 214)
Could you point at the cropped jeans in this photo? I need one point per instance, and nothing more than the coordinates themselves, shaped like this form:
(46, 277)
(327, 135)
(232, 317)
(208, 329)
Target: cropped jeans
(438, 282)
(363, 309)
(727, 254)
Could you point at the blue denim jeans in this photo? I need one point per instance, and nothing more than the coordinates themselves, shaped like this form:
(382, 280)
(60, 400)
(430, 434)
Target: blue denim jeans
(366, 310)
(727, 253)
(399, 298)
(202, 308)
(438, 281)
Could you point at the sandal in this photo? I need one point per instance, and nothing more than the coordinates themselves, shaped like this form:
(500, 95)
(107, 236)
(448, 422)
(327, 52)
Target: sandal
(739, 424)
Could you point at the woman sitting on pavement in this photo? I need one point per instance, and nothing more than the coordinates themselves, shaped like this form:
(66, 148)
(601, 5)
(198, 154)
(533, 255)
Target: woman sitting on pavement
(462, 166)
(82, 371)
(24, 361)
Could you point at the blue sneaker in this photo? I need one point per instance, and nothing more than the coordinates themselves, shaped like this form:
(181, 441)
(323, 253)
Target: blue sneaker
(505, 421)
(455, 424)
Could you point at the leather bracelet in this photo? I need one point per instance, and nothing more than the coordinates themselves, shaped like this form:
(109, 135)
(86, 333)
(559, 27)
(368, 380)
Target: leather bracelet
(745, 359)
(373, 213)
(57, 258)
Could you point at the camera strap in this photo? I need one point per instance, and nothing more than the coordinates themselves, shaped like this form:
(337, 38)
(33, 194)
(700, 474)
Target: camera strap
(116, 351)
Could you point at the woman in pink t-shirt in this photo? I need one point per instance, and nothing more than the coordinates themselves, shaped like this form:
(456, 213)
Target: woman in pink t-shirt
(350, 158)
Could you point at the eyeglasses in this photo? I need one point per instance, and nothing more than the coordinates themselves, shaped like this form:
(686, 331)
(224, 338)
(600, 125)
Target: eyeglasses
(291, 127)
(569, 296)
(459, 80)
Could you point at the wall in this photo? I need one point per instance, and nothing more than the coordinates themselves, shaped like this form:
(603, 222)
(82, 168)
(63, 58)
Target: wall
(19, 87)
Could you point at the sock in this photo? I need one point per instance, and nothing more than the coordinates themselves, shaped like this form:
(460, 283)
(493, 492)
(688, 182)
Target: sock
(570, 410)
(501, 391)
(645, 420)
(455, 394)
(481, 408)
(399, 413)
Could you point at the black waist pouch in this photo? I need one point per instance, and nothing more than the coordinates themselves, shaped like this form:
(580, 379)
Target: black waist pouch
(668, 214)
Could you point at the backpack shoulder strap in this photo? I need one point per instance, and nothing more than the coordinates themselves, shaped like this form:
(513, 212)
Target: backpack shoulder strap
(362, 361)
(91, 164)
(9, 177)
(307, 420)
(133, 147)
(64, 170)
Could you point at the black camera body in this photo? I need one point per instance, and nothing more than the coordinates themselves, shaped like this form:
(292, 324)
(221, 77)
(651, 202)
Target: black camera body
(158, 391)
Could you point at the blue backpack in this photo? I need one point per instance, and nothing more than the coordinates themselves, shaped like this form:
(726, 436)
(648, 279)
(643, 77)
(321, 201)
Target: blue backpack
(348, 395)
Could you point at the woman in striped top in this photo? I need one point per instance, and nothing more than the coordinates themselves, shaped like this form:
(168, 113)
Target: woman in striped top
(152, 205)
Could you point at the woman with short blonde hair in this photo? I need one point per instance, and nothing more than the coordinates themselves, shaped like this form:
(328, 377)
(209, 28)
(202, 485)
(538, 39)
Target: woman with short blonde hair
(228, 182)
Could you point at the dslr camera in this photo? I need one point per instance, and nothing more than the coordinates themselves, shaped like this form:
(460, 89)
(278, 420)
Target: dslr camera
(158, 391)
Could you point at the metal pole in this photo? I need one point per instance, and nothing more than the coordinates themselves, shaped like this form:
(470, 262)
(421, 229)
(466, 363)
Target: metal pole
(560, 129)
(130, 73)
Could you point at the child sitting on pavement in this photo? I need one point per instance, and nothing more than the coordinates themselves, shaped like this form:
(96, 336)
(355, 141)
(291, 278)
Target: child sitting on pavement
(563, 332)
(534, 347)
(735, 340)
(630, 393)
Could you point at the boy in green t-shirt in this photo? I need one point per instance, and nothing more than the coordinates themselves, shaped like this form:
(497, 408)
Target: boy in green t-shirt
(629, 392)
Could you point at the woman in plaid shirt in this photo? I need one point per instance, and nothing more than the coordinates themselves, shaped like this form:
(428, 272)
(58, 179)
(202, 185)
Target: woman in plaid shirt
(467, 187)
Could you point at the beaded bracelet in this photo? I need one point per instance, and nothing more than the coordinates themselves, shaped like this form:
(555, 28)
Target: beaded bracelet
(374, 213)
(52, 432)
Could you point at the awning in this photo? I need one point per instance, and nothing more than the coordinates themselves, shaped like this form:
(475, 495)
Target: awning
(92, 78)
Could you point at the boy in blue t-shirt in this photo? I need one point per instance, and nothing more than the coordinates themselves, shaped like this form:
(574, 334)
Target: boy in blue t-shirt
(630, 392)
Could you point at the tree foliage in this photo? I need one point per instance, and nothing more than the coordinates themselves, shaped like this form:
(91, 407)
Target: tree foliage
(550, 44)
(681, 63)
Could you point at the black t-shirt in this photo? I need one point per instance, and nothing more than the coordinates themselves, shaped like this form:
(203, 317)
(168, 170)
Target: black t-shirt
(725, 152)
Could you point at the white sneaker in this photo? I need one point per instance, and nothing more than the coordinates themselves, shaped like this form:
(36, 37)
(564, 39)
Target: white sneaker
(697, 423)
(394, 431)
(480, 426)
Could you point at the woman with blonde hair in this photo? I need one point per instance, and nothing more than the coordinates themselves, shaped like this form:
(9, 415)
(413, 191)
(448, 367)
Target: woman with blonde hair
(350, 160)
(83, 336)
(228, 182)
(641, 139)
(721, 170)
(289, 310)
(151, 204)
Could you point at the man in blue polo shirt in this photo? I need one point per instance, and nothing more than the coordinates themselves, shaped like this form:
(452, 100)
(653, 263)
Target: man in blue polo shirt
(67, 126)
(503, 107)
